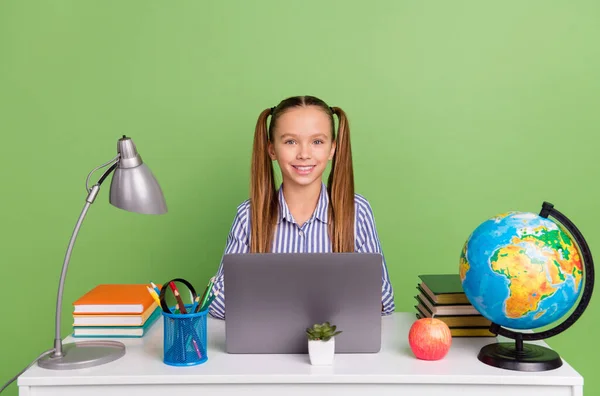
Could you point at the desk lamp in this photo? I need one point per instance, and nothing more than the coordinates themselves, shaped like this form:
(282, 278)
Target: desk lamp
(133, 188)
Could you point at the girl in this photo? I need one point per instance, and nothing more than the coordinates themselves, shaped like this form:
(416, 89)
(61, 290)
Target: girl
(303, 215)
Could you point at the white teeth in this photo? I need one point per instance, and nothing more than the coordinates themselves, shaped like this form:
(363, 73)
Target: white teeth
(304, 168)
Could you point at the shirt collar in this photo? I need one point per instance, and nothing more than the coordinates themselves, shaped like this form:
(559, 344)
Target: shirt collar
(320, 212)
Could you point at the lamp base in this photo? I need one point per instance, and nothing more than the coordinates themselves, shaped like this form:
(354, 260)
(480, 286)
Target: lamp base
(84, 354)
(531, 358)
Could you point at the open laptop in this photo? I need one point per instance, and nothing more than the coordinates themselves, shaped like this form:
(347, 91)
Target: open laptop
(271, 298)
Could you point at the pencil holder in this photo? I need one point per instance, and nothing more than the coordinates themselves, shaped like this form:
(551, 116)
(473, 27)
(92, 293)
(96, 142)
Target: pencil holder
(185, 338)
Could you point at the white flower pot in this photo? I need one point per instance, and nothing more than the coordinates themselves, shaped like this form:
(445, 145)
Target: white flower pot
(321, 352)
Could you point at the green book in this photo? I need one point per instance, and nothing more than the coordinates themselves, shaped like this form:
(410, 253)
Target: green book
(453, 320)
(445, 309)
(443, 288)
(467, 331)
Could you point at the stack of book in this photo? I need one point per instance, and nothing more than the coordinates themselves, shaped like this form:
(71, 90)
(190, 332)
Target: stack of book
(442, 296)
(117, 310)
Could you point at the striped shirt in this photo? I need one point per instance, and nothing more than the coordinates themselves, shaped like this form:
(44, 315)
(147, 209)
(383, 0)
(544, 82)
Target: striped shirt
(312, 237)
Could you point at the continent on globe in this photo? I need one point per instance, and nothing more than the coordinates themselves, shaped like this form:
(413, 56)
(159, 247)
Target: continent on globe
(463, 265)
(533, 277)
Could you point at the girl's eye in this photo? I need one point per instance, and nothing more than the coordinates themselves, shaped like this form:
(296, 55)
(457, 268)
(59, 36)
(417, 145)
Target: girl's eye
(318, 142)
(289, 142)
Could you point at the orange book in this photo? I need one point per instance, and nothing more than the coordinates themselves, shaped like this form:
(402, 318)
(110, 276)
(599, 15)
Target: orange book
(115, 299)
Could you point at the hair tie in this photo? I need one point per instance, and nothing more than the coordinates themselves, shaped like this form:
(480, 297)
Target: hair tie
(272, 110)
(331, 108)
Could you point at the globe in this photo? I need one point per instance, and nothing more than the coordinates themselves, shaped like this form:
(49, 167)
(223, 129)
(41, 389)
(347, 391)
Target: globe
(524, 271)
(521, 270)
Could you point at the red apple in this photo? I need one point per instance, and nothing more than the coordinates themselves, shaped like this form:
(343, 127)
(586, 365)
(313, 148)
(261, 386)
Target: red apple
(429, 339)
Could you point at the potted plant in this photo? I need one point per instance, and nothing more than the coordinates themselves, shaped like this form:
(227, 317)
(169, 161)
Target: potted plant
(321, 343)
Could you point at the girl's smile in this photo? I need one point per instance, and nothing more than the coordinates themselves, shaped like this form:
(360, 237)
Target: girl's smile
(303, 169)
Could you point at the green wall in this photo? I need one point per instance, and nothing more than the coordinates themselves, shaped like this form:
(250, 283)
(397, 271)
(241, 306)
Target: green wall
(459, 110)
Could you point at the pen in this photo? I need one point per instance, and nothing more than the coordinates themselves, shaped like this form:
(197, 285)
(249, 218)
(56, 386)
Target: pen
(178, 297)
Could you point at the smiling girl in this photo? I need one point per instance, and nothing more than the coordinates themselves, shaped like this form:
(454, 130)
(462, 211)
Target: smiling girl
(304, 215)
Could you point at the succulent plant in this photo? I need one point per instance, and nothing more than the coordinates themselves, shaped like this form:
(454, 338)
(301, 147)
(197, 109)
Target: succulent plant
(322, 332)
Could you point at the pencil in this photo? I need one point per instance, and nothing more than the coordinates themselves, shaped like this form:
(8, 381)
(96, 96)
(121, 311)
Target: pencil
(156, 289)
(178, 297)
(201, 299)
(210, 300)
(196, 348)
(153, 294)
(208, 287)
(196, 301)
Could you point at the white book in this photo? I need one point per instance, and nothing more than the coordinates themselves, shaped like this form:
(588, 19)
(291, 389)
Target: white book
(113, 320)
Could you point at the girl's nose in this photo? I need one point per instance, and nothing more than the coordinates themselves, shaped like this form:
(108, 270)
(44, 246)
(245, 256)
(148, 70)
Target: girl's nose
(304, 152)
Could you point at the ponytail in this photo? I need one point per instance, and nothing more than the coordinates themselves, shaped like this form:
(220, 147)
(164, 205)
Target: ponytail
(263, 197)
(341, 189)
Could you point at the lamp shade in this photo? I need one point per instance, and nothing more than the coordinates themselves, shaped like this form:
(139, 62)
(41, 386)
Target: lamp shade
(133, 187)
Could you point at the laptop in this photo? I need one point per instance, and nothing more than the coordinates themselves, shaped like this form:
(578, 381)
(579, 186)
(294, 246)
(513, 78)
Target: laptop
(271, 298)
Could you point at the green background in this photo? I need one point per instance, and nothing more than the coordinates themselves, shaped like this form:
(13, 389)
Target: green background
(459, 110)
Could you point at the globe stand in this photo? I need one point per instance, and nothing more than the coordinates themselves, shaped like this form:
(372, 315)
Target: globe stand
(531, 357)
(519, 356)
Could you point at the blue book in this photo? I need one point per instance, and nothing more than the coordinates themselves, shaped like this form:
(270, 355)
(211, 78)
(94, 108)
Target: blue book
(117, 331)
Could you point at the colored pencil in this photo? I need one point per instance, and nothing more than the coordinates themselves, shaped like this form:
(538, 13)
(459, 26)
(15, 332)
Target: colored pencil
(205, 296)
(178, 297)
(196, 348)
(154, 295)
(210, 300)
(156, 289)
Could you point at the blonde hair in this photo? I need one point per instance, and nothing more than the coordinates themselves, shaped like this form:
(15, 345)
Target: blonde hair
(340, 185)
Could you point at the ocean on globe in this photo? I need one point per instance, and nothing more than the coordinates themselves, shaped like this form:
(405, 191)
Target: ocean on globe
(521, 270)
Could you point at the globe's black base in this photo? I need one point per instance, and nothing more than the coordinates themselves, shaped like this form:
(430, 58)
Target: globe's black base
(532, 358)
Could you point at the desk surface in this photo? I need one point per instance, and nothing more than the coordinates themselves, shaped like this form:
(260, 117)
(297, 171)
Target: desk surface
(395, 364)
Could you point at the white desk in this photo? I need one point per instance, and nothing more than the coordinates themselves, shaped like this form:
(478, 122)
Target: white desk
(393, 371)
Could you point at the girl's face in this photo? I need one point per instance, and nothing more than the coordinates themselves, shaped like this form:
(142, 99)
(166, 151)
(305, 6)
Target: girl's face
(302, 144)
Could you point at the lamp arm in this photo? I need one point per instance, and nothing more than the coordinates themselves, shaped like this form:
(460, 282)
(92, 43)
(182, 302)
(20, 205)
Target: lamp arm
(92, 193)
(108, 171)
(87, 180)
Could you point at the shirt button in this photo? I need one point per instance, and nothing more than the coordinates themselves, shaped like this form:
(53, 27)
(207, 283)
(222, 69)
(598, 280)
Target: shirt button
(301, 233)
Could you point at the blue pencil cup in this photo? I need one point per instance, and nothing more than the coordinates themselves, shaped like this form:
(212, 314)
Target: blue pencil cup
(185, 338)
